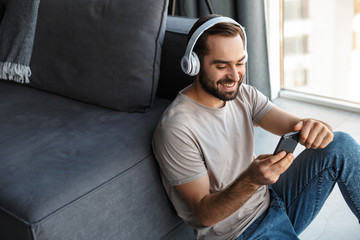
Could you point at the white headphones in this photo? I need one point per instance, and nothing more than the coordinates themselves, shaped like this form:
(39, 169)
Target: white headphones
(190, 63)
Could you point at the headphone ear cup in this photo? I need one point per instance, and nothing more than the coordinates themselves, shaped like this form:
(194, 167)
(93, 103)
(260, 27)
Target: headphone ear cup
(185, 65)
(194, 64)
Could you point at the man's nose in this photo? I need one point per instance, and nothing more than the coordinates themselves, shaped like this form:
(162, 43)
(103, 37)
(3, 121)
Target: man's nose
(233, 74)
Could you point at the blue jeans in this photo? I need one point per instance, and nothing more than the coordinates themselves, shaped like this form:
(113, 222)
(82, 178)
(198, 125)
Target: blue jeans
(300, 192)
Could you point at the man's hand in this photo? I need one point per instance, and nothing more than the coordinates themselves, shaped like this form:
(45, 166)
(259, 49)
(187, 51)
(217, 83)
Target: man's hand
(267, 168)
(314, 133)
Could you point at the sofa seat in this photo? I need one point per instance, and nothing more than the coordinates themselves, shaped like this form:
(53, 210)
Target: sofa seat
(69, 168)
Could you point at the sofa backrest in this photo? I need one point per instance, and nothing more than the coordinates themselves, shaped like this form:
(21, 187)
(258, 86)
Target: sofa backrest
(172, 78)
(104, 52)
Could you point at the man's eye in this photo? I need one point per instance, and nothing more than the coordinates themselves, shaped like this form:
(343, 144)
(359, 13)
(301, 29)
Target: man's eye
(240, 65)
(221, 67)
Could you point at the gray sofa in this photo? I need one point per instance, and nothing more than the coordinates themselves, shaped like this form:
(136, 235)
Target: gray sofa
(75, 154)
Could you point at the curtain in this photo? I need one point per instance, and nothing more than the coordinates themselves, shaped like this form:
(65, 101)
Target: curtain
(251, 15)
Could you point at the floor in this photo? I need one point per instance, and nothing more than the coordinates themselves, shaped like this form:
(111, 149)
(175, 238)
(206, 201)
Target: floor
(335, 221)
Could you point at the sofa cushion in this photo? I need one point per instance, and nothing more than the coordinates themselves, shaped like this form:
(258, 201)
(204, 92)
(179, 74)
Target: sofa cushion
(71, 170)
(101, 52)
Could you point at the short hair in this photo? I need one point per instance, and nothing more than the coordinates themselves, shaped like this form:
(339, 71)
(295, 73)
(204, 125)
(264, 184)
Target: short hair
(222, 28)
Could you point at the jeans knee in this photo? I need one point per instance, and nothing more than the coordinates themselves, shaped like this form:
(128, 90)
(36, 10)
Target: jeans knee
(343, 147)
(344, 141)
(346, 147)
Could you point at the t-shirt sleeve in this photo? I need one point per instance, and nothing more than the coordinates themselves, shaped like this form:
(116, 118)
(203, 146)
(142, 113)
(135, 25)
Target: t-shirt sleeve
(260, 104)
(178, 155)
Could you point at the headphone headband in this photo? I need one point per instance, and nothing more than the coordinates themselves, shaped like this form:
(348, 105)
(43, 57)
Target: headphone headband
(190, 62)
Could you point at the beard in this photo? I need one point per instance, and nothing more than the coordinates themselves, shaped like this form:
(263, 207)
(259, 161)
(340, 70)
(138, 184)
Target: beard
(206, 83)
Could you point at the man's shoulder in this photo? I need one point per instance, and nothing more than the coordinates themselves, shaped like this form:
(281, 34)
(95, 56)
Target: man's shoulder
(250, 95)
(179, 113)
(247, 90)
(175, 124)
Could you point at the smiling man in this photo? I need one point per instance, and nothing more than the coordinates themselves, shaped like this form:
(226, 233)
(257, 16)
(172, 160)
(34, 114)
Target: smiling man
(204, 144)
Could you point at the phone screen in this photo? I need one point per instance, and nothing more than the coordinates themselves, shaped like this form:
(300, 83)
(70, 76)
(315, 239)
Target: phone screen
(288, 142)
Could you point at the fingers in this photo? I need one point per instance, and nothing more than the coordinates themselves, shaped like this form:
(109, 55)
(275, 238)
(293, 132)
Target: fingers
(315, 134)
(263, 156)
(298, 126)
(279, 167)
(267, 171)
(283, 163)
(312, 133)
(321, 140)
(328, 139)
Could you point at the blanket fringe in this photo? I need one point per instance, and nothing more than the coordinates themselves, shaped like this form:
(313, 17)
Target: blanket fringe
(15, 72)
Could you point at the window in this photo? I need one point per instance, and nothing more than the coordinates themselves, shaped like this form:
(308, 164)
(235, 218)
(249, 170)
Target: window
(321, 48)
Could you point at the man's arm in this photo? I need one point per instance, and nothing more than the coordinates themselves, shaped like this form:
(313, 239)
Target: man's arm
(210, 208)
(314, 133)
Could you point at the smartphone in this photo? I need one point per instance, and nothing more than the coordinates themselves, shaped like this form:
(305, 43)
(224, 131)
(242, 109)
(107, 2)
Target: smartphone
(288, 142)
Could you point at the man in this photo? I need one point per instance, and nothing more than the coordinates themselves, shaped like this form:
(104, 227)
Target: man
(204, 144)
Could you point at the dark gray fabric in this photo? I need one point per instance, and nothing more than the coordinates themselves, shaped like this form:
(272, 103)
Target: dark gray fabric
(71, 170)
(101, 52)
(182, 232)
(172, 78)
(12, 228)
(250, 14)
(17, 28)
(130, 206)
(195, 9)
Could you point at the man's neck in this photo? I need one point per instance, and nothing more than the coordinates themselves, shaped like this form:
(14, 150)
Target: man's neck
(197, 93)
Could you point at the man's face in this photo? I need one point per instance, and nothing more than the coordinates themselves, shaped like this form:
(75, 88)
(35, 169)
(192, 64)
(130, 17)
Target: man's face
(223, 68)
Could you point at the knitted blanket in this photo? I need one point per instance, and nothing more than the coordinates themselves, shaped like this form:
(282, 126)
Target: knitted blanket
(17, 30)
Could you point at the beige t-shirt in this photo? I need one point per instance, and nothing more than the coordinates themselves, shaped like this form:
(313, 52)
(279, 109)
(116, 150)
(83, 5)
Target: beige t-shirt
(192, 140)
